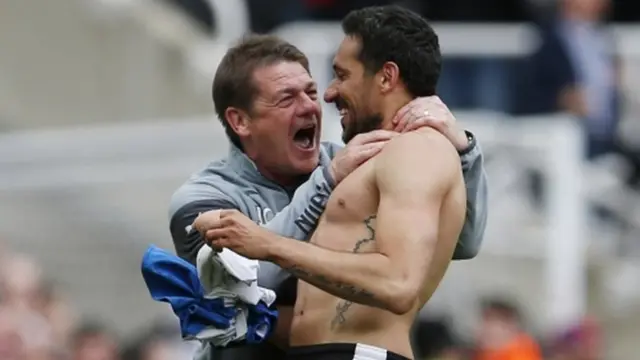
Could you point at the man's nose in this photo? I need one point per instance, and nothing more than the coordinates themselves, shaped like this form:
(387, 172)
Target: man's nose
(330, 94)
(308, 104)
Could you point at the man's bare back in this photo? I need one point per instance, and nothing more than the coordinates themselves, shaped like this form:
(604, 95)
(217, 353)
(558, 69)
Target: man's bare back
(356, 221)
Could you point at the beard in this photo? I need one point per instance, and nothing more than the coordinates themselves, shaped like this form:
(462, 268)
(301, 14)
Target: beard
(360, 126)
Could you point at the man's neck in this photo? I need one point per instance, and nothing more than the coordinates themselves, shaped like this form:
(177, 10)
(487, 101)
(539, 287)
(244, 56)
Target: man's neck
(267, 172)
(285, 181)
(391, 105)
(276, 176)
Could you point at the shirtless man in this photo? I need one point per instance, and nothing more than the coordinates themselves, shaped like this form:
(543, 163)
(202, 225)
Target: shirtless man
(390, 228)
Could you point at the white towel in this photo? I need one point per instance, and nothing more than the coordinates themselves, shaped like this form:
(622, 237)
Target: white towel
(233, 278)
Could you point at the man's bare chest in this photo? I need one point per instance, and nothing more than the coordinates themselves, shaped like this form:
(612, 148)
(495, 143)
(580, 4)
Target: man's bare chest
(348, 223)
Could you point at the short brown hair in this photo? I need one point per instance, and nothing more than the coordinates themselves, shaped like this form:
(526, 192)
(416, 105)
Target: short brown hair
(233, 84)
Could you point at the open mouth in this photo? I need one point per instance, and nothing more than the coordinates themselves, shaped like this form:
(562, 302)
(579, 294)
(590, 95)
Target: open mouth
(342, 109)
(343, 116)
(305, 138)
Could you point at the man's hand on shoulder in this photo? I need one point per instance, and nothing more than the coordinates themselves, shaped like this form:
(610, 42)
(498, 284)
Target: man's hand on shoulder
(360, 149)
(431, 112)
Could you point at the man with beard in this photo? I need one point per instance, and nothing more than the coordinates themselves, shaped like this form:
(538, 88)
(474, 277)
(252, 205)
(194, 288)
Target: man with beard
(390, 227)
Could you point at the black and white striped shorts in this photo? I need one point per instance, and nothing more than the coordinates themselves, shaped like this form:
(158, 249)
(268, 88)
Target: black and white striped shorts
(341, 352)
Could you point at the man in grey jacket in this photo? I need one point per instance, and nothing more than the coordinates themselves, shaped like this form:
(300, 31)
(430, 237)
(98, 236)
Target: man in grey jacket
(278, 172)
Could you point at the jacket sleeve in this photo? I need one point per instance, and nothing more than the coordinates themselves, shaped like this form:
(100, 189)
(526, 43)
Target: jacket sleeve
(476, 222)
(298, 220)
(186, 240)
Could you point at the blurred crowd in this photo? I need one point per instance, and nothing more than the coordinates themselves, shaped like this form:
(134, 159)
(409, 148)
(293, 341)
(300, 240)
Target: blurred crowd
(503, 334)
(265, 17)
(37, 323)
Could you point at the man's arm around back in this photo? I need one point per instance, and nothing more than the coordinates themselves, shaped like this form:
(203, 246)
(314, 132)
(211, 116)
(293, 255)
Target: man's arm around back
(475, 180)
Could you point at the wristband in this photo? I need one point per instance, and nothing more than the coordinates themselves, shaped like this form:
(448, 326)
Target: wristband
(470, 146)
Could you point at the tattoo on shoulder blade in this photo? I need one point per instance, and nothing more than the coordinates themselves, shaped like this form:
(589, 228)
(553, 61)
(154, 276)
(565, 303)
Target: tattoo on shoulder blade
(344, 305)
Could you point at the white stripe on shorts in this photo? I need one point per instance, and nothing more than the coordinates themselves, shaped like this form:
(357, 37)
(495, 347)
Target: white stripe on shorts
(368, 352)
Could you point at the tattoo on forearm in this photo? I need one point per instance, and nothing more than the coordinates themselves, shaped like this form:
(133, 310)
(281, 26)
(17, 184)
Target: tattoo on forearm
(344, 305)
(343, 290)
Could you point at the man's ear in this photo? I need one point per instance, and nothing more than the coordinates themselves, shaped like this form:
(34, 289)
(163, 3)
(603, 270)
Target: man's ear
(388, 76)
(238, 120)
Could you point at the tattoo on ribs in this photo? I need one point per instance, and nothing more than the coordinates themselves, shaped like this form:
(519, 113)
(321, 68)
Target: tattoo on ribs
(344, 305)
